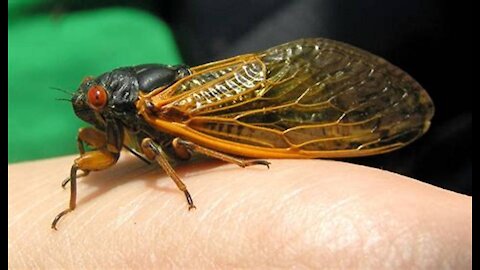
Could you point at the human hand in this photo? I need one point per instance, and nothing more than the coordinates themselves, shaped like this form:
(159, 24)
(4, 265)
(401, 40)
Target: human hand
(300, 213)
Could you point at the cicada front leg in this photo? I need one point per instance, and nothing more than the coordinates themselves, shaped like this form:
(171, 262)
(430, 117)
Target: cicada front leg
(183, 148)
(154, 151)
(96, 160)
(91, 137)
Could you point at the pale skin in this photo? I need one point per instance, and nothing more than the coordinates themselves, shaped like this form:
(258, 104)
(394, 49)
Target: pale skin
(297, 214)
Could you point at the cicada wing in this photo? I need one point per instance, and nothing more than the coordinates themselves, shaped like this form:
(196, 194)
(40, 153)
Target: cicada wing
(311, 97)
(212, 84)
(340, 98)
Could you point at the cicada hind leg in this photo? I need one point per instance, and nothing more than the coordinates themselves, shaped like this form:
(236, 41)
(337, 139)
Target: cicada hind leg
(96, 160)
(154, 151)
(183, 148)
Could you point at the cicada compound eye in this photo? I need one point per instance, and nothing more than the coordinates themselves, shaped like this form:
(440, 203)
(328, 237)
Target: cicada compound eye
(97, 96)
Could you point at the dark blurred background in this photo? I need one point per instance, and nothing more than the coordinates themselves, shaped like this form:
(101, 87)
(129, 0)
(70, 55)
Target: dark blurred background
(431, 40)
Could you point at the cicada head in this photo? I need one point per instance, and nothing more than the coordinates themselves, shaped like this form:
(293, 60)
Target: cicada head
(108, 96)
(82, 106)
(112, 95)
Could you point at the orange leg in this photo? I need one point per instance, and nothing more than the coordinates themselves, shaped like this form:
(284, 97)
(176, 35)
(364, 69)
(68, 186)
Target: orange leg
(73, 196)
(154, 151)
(182, 148)
(88, 161)
(92, 137)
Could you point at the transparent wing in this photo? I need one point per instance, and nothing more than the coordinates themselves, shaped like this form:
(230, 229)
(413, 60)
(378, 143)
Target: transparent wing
(313, 96)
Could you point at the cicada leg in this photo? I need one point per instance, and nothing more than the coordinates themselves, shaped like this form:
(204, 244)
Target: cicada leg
(73, 196)
(92, 137)
(183, 147)
(67, 180)
(154, 152)
(88, 161)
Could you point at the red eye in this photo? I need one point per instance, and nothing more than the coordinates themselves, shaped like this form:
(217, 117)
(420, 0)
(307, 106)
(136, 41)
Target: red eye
(97, 96)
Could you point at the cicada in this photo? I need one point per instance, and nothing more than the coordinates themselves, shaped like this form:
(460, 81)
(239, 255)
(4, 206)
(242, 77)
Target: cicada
(310, 98)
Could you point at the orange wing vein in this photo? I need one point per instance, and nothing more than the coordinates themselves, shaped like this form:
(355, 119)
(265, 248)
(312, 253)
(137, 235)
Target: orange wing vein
(304, 99)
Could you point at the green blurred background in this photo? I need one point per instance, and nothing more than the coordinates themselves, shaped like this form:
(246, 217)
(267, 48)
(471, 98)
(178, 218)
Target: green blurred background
(58, 49)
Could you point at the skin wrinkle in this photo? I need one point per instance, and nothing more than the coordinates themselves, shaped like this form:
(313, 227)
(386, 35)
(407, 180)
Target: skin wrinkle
(98, 208)
(99, 211)
(100, 190)
(372, 237)
(206, 212)
(225, 216)
(272, 212)
(401, 234)
(387, 241)
(149, 222)
(199, 252)
(150, 183)
(382, 253)
(204, 257)
(173, 256)
(90, 205)
(26, 210)
(125, 213)
(293, 253)
(442, 248)
(213, 206)
(88, 211)
(166, 200)
(111, 216)
(331, 237)
(173, 213)
(57, 260)
(277, 233)
(331, 219)
(35, 221)
(32, 186)
(426, 251)
(25, 259)
(397, 232)
(70, 254)
(306, 188)
(341, 203)
(393, 260)
(286, 245)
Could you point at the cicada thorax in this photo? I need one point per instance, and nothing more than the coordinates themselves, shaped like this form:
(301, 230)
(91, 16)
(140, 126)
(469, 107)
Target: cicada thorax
(210, 87)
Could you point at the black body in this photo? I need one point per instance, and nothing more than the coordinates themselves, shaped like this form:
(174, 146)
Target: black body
(122, 86)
